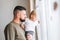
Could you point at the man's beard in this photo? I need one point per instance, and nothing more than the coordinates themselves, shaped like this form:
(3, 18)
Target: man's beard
(22, 20)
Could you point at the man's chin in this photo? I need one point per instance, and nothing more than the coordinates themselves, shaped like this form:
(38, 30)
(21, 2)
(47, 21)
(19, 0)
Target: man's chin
(22, 20)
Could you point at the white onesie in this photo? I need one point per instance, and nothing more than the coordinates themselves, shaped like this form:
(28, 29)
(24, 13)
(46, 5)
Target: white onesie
(30, 25)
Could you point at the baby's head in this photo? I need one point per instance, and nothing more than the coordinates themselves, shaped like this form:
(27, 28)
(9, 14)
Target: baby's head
(32, 15)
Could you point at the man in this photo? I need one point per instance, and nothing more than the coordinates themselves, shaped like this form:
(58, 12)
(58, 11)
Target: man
(13, 30)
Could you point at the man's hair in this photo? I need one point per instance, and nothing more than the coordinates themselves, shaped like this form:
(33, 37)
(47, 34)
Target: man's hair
(18, 8)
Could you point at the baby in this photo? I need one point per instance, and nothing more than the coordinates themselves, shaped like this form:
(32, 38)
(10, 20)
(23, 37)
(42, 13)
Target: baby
(30, 25)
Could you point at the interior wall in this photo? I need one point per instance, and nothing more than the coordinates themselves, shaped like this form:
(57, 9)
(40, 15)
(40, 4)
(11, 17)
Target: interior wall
(6, 12)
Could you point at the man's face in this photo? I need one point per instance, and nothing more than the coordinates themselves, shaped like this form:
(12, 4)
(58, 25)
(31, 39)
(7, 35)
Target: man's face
(22, 15)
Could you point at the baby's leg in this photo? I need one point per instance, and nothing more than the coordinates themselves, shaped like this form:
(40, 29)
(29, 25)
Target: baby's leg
(29, 36)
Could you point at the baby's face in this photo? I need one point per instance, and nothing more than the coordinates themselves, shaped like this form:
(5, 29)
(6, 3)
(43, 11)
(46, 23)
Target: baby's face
(33, 17)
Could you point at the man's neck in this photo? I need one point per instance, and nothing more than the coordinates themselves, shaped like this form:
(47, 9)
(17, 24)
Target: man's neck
(16, 20)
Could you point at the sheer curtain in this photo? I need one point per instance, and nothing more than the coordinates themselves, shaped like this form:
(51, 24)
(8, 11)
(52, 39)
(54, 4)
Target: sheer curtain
(40, 10)
(49, 26)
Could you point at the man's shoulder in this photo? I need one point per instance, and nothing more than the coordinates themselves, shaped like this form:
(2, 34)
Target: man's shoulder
(9, 25)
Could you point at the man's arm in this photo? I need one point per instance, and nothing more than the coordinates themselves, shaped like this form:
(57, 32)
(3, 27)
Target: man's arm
(10, 33)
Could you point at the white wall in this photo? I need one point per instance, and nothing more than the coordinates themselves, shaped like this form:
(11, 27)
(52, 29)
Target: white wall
(6, 12)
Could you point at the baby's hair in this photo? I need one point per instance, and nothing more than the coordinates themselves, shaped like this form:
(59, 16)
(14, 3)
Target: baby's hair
(32, 13)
